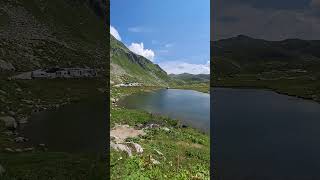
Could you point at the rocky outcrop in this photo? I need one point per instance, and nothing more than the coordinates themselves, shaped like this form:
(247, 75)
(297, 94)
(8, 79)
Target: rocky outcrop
(6, 66)
(10, 122)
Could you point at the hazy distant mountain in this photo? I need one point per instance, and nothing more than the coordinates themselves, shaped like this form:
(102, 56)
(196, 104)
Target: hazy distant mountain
(191, 78)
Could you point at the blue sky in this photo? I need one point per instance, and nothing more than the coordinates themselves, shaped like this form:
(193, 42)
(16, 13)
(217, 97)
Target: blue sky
(172, 33)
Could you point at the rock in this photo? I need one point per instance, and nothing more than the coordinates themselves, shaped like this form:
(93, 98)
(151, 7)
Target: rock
(151, 126)
(2, 170)
(6, 66)
(10, 122)
(121, 147)
(136, 147)
(9, 150)
(20, 139)
(42, 145)
(113, 100)
(153, 161)
(27, 101)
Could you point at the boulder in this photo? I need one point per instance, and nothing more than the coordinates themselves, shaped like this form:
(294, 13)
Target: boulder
(6, 66)
(10, 122)
(121, 147)
(20, 139)
(9, 150)
(154, 161)
(137, 147)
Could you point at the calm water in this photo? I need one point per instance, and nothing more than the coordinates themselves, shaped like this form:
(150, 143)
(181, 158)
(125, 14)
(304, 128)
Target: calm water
(191, 107)
(263, 135)
(79, 127)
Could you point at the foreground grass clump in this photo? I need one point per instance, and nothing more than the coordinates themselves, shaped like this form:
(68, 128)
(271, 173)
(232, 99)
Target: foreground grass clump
(180, 152)
(53, 166)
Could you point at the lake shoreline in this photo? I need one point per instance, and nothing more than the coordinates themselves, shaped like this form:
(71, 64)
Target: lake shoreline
(165, 141)
(269, 89)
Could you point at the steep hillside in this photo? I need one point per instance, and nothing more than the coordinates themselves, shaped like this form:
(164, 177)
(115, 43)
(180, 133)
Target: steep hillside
(190, 78)
(243, 54)
(45, 33)
(127, 66)
(290, 66)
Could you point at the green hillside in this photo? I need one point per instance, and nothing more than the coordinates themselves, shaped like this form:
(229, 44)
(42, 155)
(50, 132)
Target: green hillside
(127, 66)
(45, 33)
(289, 66)
(38, 34)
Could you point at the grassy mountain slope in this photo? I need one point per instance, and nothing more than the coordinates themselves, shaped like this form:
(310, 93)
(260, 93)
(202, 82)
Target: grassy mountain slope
(289, 66)
(127, 66)
(190, 78)
(43, 33)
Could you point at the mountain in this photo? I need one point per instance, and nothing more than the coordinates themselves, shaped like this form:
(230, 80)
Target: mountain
(246, 55)
(67, 33)
(190, 78)
(127, 66)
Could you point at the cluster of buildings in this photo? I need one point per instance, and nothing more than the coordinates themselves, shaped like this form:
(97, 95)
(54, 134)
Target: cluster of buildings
(63, 73)
(52, 73)
(129, 84)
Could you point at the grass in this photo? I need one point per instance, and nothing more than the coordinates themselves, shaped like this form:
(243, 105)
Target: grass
(201, 87)
(186, 152)
(52, 166)
(299, 86)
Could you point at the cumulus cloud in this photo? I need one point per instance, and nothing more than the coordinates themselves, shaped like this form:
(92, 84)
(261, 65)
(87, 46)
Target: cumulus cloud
(179, 67)
(139, 49)
(115, 33)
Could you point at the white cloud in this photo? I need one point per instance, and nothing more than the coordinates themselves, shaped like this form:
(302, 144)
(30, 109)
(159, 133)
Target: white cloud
(115, 33)
(139, 49)
(139, 29)
(179, 67)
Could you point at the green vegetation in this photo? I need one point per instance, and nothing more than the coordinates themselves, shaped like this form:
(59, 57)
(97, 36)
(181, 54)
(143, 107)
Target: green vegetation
(183, 153)
(127, 66)
(39, 34)
(39, 164)
(201, 87)
(289, 66)
(52, 165)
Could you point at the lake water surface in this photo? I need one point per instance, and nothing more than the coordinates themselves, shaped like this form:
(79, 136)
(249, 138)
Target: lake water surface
(260, 134)
(77, 127)
(191, 107)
